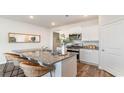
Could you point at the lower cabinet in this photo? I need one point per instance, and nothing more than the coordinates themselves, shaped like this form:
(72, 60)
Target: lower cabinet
(89, 56)
(66, 68)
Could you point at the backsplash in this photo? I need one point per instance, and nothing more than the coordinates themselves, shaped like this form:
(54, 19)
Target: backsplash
(85, 43)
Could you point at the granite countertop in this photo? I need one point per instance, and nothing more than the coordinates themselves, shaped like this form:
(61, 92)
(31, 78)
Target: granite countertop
(90, 48)
(78, 48)
(44, 57)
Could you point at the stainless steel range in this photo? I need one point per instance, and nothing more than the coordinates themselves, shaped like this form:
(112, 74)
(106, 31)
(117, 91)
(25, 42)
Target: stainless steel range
(76, 50)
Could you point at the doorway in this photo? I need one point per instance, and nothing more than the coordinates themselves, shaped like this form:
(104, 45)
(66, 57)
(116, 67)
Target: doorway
(56, 40)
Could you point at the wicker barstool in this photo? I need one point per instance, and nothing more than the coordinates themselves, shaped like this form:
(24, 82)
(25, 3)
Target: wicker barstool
(15, 59)
(34, 69)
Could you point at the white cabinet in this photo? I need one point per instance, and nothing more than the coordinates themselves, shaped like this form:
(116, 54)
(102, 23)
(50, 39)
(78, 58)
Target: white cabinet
(90, 56)
(66, 68)
(69, 67)
(112, 46)
(90, 33)
(71, 30)
(108, 19)
(84, 55)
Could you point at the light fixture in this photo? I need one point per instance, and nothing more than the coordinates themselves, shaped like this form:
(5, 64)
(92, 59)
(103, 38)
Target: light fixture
(53, 23)
(31, 17)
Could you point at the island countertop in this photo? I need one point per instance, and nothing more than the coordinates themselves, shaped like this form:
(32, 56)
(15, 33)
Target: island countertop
(44, 57)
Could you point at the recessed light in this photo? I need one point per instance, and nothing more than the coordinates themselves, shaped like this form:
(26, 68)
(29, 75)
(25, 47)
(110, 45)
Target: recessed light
(53, 23)
(31, 17)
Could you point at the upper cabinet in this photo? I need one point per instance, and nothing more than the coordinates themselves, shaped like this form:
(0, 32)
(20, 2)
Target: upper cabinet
(104, 20)
(90, 33)
(71, 30)
(89, 30)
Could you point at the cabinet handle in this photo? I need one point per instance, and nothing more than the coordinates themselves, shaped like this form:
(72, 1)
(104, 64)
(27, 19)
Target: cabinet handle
(103, 50)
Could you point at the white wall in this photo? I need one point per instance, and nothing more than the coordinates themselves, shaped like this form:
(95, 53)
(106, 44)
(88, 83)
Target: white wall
(88, 29)
(7, 26)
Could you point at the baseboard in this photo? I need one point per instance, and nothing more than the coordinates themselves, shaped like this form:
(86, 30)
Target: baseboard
(111, 71)
(88, 63)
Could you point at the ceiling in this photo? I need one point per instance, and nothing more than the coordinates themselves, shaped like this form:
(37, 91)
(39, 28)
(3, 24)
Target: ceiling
(45, 20)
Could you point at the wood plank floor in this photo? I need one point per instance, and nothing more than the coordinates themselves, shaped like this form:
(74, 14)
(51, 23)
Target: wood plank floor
(85, 70)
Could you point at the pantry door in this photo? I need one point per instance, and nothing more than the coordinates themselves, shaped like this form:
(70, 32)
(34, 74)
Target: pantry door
(112, 48)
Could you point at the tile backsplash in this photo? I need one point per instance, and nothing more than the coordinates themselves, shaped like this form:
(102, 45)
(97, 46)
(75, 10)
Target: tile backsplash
(85, 43)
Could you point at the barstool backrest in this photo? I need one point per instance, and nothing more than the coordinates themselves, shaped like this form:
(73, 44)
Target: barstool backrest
(14, 58)
(11, 56)
(32, 69)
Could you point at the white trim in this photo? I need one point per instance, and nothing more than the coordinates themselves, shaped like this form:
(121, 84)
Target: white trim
(88, 63)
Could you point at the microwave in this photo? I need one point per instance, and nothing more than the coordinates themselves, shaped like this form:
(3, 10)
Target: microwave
(75, 36)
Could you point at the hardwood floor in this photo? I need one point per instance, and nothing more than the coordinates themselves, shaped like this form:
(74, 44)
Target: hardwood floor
(85, 70)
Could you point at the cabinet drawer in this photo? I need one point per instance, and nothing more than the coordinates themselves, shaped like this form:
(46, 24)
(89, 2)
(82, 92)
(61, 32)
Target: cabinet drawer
(90, 56)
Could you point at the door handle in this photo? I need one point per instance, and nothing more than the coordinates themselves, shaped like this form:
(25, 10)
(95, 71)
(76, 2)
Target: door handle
(103, 50)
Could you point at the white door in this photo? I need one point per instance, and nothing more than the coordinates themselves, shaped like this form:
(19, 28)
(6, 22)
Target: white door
(112, 48)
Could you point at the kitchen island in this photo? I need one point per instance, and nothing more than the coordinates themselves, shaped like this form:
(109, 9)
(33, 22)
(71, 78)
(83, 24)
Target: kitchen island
(65, 65)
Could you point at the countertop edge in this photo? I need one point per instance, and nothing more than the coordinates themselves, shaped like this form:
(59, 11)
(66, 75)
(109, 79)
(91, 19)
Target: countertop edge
(61, 60)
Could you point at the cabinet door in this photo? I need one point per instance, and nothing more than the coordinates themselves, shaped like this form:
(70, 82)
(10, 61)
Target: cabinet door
(81, 55)
(90, 33)
(112, 48)
(93, 57)
(84, 55)
(108, 19)
(69, 67)
(90, 56)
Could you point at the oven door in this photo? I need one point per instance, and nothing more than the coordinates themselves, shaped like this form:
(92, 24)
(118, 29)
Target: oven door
(75, 51)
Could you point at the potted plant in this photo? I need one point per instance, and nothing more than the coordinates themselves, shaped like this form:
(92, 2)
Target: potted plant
(64, 41)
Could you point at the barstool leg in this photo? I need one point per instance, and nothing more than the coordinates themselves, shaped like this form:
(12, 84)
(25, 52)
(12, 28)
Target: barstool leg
(12, 71)
(51, 73)
(4, 69)
(18, 72)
